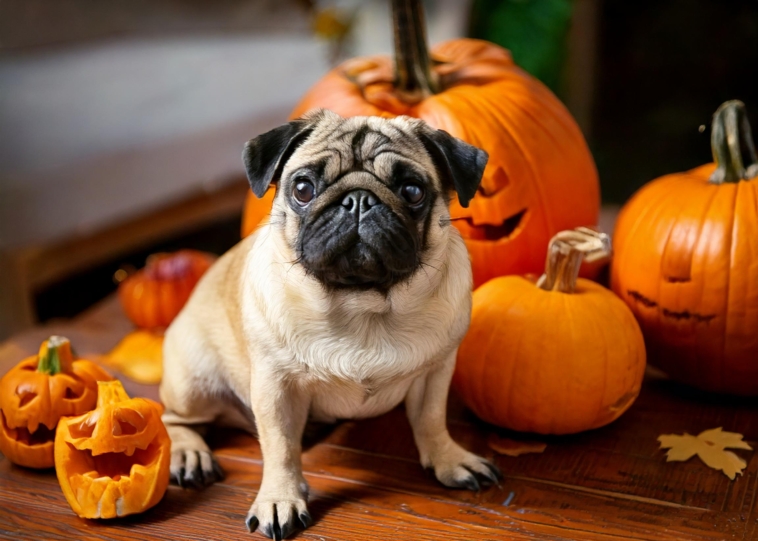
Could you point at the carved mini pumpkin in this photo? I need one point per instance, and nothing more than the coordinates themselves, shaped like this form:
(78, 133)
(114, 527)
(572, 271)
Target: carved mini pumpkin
(687, 263)
(153, 296)
(540, 178)
(114, 460)
(36, 393)
(557, 357)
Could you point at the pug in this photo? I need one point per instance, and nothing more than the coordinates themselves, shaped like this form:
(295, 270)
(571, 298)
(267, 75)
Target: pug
(352, 299)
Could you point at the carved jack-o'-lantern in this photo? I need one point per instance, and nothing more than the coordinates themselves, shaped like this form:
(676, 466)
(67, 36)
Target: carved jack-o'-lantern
(114, 460)
(540, 178)
(36, 393)
(687, 263)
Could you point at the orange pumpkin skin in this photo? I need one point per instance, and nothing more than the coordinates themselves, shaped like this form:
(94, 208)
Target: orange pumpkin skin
(687, 264)
(547, 361)
(540, 178)
(153, 296)
(114, 460)
(36, 393)
(256, 211)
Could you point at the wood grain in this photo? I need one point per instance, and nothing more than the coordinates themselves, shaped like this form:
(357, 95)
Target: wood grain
(605, 485)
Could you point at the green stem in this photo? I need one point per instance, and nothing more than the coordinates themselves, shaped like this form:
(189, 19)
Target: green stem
(55, 356)
(413, 74)
(730, 138)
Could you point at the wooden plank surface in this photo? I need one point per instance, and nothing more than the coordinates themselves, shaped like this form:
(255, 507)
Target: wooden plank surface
(608, 484)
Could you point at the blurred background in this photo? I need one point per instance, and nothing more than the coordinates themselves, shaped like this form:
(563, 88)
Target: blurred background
(122, 123)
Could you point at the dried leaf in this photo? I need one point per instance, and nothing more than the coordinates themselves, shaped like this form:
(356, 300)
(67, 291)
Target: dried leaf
(505, 446)
(139, 356)
(710, 446)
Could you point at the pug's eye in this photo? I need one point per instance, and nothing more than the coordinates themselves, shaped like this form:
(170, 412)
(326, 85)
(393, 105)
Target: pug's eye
(303, 191)
(412, 193)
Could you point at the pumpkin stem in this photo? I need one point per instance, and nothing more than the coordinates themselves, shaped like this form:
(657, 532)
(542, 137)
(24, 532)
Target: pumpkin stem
(565, 254)
(110, 392)
(55, 356)
(731, 140)
(413, 75)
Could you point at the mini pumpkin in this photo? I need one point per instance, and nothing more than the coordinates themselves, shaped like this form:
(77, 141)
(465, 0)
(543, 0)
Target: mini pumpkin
(540, 178)
(36, 393)
(687, 263)
(153, 296)
(560, 356)
(114, 460)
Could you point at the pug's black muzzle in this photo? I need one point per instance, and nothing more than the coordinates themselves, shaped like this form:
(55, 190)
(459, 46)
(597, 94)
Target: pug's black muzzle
(358, 241)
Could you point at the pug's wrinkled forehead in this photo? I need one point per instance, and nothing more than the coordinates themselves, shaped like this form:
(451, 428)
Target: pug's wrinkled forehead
(384, 148)
(337, 146)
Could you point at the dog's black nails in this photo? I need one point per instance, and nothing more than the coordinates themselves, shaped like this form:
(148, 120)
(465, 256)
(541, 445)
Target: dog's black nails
(180, 477)
(277, 528)
(471, 483)
(252, 523)
(305, 519)
(494, 469)
(267, 531)
(218, 471)
(286, 529)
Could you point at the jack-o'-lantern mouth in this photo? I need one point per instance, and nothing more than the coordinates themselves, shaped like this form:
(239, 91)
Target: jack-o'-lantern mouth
(491, 232)
(115, 466)
(22, 435)
(108, 479)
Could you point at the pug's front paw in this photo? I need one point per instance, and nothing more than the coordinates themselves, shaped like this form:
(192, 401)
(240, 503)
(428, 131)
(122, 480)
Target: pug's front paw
(457, 468)
(279, 513)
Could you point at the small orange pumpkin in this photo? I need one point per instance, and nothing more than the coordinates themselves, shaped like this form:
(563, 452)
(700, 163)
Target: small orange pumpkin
(36, 393)
(562, 356)
(114, 460)
(540, 178)
(153, 296)
(687, 263)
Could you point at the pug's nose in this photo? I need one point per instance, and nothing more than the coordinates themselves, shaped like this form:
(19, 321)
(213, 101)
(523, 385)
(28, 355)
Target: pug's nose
(359, 202)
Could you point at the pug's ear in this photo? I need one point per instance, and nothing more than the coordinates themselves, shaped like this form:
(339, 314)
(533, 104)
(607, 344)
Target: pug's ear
(459, 164)
(265, 156)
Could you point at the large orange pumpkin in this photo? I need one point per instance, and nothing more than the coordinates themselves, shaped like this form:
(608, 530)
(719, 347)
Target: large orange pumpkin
(687, 263)
(153, 296)
(557, 357)
(36, 393)
(114, 460)
(540, 178)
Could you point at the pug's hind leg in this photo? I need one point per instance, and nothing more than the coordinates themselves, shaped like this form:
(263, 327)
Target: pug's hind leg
(426, 405)
(192, 463)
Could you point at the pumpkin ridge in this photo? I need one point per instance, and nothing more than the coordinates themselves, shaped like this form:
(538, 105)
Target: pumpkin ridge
(729, 282)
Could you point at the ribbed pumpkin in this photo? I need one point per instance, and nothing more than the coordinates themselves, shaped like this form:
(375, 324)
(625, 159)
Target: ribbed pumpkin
(687, 263)
(36, 393)
(560, 356)
(114, 460)
(153, 296)
(540, 178)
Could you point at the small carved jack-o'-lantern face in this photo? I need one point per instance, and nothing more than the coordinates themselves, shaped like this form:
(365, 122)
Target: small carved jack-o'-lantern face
(113, 461)
(39, 391)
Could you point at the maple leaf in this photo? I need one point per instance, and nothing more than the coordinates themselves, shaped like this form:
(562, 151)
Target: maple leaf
(507, 447)
(710, 446)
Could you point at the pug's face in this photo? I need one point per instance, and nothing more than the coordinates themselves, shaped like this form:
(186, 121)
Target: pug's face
(357, 197)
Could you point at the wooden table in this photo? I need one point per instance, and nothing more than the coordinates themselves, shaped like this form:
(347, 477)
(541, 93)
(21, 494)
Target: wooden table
(608, 484)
